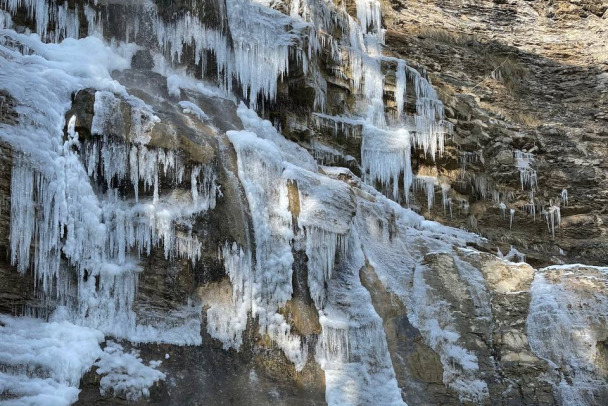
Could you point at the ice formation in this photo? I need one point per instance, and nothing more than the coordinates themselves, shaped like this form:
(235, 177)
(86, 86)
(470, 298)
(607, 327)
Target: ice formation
(124, 374)
(352, 347)
(50, 184)
(227, 321)
(514, 255)
(527, 174)
(260, 170)
(42, 363)
(562, 328)
(394, 242)
(503, 209)
(93, 206)
(554, 218)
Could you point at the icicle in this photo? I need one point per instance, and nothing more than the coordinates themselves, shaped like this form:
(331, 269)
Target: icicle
(512, 215)
(321, 249)
(553, 217)
(22, 213)
(400, 87)
(428, 183)
(531, 206)
(565, 197)
(523, 162)
(385, 156)
(503, 209)
(446, 201)
(226, 322)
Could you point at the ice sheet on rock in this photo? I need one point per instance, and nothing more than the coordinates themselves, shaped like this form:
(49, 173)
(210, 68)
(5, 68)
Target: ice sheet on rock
(124, 374)
(30, 391)
(107, 116)
(42, 362)
(260, 169)
(395, 241)
(178, 79)
(478, 289)
(288, 150)
(227, 321)
(326, 210)
(191, 108)
(433, 317)
(565, 322)
(324, 202)
(400, 87)
(352, 347)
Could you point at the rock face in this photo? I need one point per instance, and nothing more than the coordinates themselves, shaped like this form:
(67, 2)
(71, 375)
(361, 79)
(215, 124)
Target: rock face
(527, 76)
(237, 200)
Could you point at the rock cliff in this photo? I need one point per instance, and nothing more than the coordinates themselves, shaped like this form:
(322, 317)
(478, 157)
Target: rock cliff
(303, 202)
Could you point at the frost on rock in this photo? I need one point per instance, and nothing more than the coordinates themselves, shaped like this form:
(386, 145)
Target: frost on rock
(124, 374)
(191, 108)
(566, 322)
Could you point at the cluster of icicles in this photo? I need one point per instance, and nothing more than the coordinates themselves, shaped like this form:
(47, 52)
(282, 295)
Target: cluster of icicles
(528, 178)
(262, 48)
(264, 41)
(61, 216)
